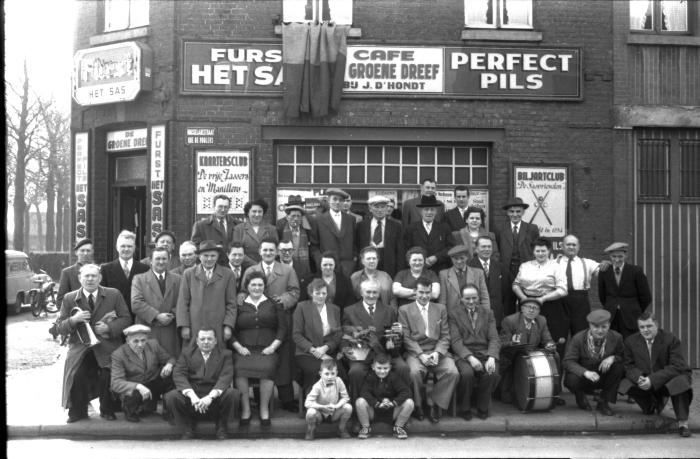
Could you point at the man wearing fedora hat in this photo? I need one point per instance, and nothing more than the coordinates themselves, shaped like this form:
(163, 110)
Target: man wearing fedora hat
(334, 230)
(411, 211)
(382, 233)
(433, 236)
(295, 227)
(514, 241)
(69, 279)
(207, 296)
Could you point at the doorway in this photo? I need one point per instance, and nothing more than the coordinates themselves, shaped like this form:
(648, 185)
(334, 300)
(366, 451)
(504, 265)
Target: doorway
(128, 198)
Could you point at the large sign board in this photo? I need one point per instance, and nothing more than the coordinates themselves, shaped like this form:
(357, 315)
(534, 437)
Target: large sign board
(230, 68)
(131, 139)
(80, 184)
(545, 189)
(222, 172)
(157, 182)
(111, 73)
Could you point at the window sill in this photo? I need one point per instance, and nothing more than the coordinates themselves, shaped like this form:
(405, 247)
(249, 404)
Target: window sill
(354, 32)
(501, 35)
(120, 35)
(660, 39)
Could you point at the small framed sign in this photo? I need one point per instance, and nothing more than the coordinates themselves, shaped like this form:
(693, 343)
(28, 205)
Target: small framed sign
(546, 190)
(222, 172)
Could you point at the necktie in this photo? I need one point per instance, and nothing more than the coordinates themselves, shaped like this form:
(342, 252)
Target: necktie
(371, 311)
(465, 216)
(472, 319)
(208, 271)
(268, 270)
(295, 239)
(125, 267)
(424, 313)
(649, 343)
(161, 283)
(515, 235)
(461, 279)
(237, 272)
(222, 222)
(377, 237)
(617, 271)
(91, 302)
(569, 278)
(486, 268)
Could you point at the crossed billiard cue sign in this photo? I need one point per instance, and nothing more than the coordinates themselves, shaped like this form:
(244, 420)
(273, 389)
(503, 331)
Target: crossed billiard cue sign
(540, 202)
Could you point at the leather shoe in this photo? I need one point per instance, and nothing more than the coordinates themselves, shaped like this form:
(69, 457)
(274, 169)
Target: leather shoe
(434, 414)
(132, 418)
(244, 422)
(75, 418)
(604, 408)
(292, 406)
(418, 413)
(108, 416)
(188, 434)
(684, 431)
(221, 433)
(482, 414)
(265, 422)
(466, 415)
(558, 401)
(582, 401)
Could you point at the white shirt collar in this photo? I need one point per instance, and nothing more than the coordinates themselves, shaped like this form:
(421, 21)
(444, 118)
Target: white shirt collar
(88, 295)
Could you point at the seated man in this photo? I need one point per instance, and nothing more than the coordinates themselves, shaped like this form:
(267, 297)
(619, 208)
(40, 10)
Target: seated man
(522, 331)
(593, 360)
(475, 341)
(426, 338)
(202, 375)
(141, 370)
(655, 369)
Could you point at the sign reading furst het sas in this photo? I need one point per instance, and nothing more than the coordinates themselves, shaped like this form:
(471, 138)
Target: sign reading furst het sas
(225, 68)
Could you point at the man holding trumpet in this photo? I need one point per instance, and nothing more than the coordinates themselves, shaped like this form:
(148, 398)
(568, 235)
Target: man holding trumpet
(93, 317)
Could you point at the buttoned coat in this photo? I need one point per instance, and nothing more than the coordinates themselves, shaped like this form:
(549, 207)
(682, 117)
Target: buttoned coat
(632, 295)
(325, 236)
(415, 340)
(514, 324)
(449, 287)
(147, 302)
(282, 282)
(666, 367)
(206, 303)
(191, 372)
(308, 328)
(113, 276)
(463, 237)
(69, 281)
(496, 283)
(410, 213)
(208, 229)
(437, 243)
(480, 341)
(578, 359)
(527, 233)
(107, 300)
(246, 235)
(454, 219)
(129, 370)
(394, 254)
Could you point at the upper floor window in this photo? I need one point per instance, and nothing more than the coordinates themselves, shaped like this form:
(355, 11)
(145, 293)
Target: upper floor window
(125, 14)
(659, 15)
(507, 14)
(338, 11)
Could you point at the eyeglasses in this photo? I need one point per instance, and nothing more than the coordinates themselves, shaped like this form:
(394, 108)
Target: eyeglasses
(531, 307)
(286, 250)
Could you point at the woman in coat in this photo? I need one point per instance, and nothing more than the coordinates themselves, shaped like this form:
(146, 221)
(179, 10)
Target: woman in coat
(254, 229)
(338, 286)
(475, 228)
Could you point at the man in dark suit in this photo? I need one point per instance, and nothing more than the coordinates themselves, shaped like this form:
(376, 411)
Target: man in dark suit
(69, 279)
(238, 262)
(623, 290)
(87, 369)
(370, 312)
(434, 236)
(476, 343)
(383, 233)
(285, 249)
(495, 274)
(411, 212)
(202, 375)
(514, 243)
(455, 217)
(217, 227)
(655, 369)
(334, 230)
(295, 228)
(120, 273)
(593, 360)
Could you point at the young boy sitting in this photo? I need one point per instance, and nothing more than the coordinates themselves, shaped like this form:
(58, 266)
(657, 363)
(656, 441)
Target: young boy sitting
(384, 391)
(328, 399)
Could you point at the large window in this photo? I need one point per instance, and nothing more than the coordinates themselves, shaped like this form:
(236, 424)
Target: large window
(668, 165)
(659, 16)
(338, 11)
(654, 168)
(690, 168)
(507, 14)
(125, 14)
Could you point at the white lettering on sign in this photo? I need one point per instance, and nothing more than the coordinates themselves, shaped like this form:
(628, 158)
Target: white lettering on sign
(157, 179)
(134, 139)
(81, 184)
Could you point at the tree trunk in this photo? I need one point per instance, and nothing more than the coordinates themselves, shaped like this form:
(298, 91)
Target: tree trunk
(50, 223)
(67, 246)
(59, 221)
(25, 228)
(20, 208)
(39, 229)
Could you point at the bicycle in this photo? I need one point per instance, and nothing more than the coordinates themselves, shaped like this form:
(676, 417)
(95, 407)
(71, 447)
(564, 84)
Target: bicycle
(42, 298)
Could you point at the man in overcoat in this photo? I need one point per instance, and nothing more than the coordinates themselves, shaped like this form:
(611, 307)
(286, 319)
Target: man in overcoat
(120, 273)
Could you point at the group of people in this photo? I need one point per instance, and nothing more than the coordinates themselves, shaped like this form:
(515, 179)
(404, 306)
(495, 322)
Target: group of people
(361, 313)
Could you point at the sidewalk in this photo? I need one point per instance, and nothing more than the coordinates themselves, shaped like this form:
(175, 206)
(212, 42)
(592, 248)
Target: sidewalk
(34, 410)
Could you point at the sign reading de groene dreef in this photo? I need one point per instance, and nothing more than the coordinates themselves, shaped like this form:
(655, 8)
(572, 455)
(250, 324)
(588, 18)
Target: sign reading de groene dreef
(225, 68)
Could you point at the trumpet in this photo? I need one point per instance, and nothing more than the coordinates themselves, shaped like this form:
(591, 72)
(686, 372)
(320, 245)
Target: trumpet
(84, 331)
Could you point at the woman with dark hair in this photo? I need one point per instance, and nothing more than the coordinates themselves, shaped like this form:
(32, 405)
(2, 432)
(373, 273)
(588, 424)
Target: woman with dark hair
(404, 286)
(544, 280)
(339, 287)
(475, 217)
(251, 232)
(261, 327)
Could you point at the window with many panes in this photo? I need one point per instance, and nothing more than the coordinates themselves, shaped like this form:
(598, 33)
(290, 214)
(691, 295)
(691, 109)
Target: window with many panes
(659, 16)
(125, 14)
(506, 14)
(654, 168)
(668, 165)
(338, 11)
(690, 169)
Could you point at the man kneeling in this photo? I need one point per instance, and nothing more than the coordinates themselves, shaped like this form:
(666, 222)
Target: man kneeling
(384, 391)
(141, 371)
(199, 393)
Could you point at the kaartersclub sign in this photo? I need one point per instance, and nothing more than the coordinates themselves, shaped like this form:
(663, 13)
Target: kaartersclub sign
(224, 68)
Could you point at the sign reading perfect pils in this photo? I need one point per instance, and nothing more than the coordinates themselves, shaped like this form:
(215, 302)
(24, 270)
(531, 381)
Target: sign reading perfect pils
(222, 172)
(112, 73)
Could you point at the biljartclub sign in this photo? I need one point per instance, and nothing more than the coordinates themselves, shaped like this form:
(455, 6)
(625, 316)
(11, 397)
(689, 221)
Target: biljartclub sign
(226, 68)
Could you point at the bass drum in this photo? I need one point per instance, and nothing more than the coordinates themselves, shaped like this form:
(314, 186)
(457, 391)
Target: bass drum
(536, 381)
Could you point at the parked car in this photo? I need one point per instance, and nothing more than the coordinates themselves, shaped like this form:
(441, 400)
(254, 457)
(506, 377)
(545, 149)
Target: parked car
(18, 281)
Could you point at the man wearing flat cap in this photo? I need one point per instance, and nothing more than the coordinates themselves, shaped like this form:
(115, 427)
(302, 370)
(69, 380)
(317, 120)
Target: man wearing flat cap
(207, 297)
(623, 290)
(453, 280)
(296, 228)
(141, 370)
(335, 230)
(432, 235)
(382, 233)
(593, 360)
(514, 241)
(69, 280)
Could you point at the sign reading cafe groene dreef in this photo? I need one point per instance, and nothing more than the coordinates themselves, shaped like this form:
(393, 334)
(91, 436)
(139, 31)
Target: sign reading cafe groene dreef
(226, 68)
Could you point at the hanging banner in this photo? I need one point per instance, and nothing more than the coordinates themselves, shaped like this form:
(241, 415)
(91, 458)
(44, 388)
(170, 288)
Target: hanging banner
(222, 172)
(81, 184)
(157, 179)
(545, 189)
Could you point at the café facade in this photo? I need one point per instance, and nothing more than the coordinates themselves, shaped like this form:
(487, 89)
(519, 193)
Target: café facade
(588, 111)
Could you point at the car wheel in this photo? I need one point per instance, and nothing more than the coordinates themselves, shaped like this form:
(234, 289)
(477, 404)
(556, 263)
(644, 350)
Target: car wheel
(17, 307)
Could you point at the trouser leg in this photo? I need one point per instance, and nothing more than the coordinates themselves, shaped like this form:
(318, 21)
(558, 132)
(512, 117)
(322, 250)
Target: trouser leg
(610, 381)
(447, 377)
(181, 408)
(681, 404)
(356, 377)
(484, 389)
(417, 372)
(107, 405)
(220, 408)
(80, 390)
(466, 385)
